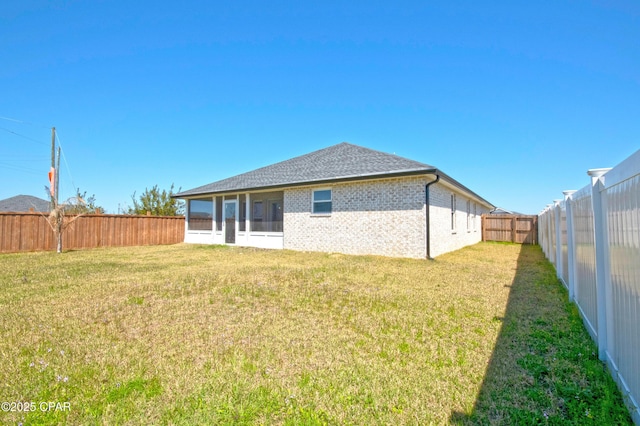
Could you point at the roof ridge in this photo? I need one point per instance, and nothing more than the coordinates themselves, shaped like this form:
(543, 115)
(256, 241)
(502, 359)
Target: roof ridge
(385, 153)
(341, 161)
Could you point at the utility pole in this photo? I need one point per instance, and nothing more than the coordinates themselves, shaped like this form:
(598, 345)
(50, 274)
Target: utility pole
(53, 183)
(58, 178)
(56, 216)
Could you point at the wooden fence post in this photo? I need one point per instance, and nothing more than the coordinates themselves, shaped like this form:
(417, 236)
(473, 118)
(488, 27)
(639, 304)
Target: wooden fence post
(484, 227)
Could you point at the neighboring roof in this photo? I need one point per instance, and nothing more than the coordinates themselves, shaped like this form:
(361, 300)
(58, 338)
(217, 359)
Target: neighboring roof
(340, 162)
(500, 210)
(24, 203)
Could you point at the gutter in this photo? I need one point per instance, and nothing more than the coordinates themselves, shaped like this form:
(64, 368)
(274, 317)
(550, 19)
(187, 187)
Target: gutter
(427, 205)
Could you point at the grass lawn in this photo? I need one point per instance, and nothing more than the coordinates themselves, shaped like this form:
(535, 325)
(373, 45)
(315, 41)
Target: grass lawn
(191, 334)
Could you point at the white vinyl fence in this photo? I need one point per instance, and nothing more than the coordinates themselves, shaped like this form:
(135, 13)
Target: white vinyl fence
(592, 236)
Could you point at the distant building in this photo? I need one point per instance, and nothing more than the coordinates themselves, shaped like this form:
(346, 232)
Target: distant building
(24, 203)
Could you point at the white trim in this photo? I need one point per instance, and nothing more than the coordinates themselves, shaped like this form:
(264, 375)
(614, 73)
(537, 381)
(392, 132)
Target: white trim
(247, 216)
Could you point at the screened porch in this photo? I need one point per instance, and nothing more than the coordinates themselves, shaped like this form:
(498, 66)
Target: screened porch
(250, 219)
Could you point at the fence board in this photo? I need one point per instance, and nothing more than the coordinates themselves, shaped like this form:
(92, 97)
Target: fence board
(31, 231)
(522, 229)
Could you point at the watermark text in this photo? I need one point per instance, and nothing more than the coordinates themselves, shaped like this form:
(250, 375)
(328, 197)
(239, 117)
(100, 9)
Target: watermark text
(27, 406)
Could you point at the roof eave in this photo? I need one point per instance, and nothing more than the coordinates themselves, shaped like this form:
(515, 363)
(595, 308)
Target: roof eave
(400, 173)
(460, 186)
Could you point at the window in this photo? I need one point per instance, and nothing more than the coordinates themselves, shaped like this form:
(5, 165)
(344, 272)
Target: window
(266, 211)
(201, 215)
(321, 201)
(453, 212)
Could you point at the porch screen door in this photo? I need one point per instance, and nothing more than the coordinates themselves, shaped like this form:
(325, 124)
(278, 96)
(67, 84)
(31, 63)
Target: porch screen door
(230, 222)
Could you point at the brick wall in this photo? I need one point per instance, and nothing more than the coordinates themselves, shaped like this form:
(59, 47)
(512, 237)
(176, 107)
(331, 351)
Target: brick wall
(443, 238)
(384, 217)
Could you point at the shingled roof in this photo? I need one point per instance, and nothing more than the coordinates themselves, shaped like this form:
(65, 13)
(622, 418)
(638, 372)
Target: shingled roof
(339, 162)
(24, 203)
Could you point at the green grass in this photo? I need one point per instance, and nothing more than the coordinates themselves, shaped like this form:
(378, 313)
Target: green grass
(192, 334)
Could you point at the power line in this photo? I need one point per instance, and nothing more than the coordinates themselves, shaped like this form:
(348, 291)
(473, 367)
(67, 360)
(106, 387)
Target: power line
(64, 157)
(25, 158)
(21, 168)
(33, 158)
(10, 119)
(22, 136)
(24, 122)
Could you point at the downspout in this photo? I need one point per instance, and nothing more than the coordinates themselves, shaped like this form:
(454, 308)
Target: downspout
(428, 233)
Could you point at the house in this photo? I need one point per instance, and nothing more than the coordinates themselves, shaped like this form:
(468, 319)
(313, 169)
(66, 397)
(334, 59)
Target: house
(24, 203)
(344, 198)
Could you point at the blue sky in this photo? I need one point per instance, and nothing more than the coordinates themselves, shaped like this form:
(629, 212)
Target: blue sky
(514, 99)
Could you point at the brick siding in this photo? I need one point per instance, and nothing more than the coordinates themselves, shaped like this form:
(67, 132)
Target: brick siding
(383, 217)
(443, 238)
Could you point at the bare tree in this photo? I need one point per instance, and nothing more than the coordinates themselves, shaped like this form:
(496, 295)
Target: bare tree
(59, 218)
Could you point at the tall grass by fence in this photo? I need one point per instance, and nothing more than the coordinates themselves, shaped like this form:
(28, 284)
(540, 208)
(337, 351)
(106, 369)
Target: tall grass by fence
(31, 231)
(522, 229)
(592, 237)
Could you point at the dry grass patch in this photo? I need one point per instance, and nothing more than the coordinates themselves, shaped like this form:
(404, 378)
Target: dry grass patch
(216, 335)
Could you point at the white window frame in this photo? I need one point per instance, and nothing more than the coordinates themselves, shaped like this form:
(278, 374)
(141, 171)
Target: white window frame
(313, 201)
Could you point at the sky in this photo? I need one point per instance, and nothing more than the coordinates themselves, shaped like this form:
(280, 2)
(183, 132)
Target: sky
(514, 99)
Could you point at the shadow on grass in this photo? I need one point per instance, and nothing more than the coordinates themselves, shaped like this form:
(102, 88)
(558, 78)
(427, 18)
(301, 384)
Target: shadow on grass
(544, 368)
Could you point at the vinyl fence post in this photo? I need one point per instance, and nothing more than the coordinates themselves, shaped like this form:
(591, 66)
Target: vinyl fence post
(602, 258)
(558, 229)
(550, 247)
(546, 232)
(542, 226)
(570, 245)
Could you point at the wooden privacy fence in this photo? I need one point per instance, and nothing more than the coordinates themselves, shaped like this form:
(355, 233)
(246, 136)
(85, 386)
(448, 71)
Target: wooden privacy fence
(522, 229)
(31, 231)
